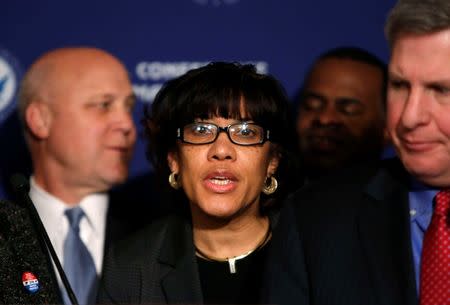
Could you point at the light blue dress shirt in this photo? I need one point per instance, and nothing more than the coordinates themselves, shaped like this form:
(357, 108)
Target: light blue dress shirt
(420, 211)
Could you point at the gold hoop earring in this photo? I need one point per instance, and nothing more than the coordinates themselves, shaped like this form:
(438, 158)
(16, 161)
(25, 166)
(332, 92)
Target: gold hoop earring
(173, 180)
(272, 187)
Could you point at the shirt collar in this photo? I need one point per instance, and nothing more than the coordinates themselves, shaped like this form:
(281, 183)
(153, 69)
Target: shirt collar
(420, 199)
(95, 207)
(51, 209)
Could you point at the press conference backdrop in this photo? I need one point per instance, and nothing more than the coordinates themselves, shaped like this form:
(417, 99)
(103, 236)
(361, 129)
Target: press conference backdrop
(161, 39)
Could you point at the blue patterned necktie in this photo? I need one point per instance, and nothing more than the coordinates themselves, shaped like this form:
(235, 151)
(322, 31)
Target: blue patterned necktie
(78, 263)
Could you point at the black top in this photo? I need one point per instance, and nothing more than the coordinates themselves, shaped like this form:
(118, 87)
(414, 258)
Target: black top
(158, 266)
(220, 286)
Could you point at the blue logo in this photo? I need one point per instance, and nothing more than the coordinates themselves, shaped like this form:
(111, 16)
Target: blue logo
(9, 83)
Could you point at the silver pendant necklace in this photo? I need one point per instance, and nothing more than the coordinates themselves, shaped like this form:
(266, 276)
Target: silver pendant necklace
(232, 260)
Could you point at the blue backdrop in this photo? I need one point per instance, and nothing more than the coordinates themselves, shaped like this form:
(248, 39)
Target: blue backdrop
(160, 39)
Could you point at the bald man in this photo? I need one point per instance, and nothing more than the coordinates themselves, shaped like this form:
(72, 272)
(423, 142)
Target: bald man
(76, 106)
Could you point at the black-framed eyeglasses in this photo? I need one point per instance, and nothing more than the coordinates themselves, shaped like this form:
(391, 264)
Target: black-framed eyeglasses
(243, 133)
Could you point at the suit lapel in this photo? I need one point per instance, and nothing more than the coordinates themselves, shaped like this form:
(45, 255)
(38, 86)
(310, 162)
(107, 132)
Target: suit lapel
(385, 236)
(179, 273)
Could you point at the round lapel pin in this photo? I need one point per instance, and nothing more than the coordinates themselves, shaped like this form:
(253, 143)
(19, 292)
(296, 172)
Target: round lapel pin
(30, 282)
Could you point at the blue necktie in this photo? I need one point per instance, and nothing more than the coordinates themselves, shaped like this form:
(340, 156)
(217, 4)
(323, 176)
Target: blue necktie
(78, 263)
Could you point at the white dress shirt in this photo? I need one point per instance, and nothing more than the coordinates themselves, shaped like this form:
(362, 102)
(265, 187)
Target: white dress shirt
(92, 227)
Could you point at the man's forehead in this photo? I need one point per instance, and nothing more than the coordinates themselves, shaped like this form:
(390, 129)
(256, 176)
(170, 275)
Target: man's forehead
(422, 58)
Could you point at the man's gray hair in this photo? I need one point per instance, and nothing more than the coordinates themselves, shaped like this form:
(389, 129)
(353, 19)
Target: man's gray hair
(417, 17)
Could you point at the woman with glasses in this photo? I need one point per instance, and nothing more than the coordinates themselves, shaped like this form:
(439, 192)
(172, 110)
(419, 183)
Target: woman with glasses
(219, 136)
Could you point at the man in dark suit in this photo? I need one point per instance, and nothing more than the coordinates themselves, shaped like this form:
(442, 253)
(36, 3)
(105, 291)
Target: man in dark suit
(380, 234)
(76, 107)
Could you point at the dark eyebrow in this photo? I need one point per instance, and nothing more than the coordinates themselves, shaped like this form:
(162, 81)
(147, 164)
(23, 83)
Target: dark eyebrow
(312, 94)
(394, 75)
(439, 83)
(132, 97)
(348, 100)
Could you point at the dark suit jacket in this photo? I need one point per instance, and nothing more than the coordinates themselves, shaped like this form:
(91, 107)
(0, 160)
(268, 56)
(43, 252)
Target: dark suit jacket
(22, 251)
(157, 265)
(128, 212)
(345, 241)
(123, 219)
(126, 215)
(133, 206)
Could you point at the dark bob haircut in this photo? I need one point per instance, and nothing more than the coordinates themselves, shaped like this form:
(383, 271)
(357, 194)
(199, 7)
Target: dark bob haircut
(224, 90)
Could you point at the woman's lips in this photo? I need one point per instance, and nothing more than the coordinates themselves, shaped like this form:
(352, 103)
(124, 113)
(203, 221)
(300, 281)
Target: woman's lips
(220, 182)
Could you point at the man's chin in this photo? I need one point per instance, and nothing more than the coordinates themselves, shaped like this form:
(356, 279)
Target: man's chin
(113, 179)
(428, 170)
(322, 165)
(325, 146)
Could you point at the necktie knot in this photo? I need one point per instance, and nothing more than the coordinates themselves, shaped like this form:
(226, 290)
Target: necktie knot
(442, 202)
(74, 215)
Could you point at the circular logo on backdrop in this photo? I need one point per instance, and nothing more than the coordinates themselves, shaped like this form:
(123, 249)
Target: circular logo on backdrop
(9, 82)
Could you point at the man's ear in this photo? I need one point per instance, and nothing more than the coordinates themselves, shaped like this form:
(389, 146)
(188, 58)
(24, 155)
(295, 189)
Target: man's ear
(38, 119)
(173, 162)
